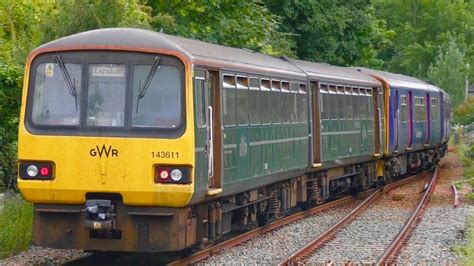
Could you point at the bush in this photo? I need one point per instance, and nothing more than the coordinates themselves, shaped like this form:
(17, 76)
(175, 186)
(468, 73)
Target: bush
(16, 223)
(464, 113)
(10, 100)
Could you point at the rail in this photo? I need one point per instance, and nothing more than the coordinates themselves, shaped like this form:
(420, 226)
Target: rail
(390, 253)
(300, 255)
(201, 255)
(456, 202)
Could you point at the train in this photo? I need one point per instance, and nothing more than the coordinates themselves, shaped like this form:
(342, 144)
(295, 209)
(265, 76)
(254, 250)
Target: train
(140, 141)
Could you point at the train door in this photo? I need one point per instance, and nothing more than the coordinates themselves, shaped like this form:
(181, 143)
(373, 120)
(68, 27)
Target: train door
(428, 119)
(410, 119)
(214, 134)
(316, 130)
(397, 120)
(377, 121)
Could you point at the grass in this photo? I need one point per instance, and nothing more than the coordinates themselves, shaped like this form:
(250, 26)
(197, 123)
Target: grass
(467, 251)
(16, 225)
(466, 155)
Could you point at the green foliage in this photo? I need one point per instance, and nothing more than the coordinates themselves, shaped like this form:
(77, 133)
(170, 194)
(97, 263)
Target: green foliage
(422, 27)
(66, 17)
(336, 32)
(467, 251)
(464, 113)
(10, 100)
(16, 223)
(448, 72)
(243, 24)
(18, 29)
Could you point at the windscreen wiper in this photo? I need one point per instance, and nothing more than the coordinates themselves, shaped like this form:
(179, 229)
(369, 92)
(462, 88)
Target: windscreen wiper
(146, 83)
(71, 84)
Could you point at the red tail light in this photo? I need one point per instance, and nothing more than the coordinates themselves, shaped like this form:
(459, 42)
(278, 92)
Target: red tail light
(44, 171)
(173, 174)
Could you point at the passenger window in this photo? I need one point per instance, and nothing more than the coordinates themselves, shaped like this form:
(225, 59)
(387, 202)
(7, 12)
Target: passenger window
(276, 102)
(286, 102)
(302, 104)
(200, 102)
(324, 102)
(348, 103)
(294, 102)
(254, 101)
(340, 102)
(333, 112)
(229, 100)
(265, 101)
(242, 101)
(403, 108)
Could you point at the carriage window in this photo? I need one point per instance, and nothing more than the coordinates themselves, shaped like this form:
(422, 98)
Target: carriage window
(340, 102)
(242, 101)
(302, 104)
(348, 103)
(265, 102)
(229, 100)
(420, 110)
(333, 112)
(434, 110)
(324, 104)
(254, 101)
(53, 104)
(403, 108)
(286, 102)
(294, 103)
(199, 84)
(276, 102)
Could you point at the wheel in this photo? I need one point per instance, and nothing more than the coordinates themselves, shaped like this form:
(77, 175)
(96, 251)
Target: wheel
(262, 219)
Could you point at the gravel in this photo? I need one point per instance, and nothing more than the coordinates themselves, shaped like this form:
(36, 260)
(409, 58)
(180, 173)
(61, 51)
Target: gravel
(272, 247)
(442, 227)
(39, 255)
(366, 238)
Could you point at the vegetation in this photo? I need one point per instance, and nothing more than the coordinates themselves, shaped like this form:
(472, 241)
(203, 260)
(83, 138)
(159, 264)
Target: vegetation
(16, 219)
(467, 251)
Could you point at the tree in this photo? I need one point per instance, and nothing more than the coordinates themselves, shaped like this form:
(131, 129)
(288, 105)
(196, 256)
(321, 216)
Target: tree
(18, 29)
(336, 32)
(242, 24)
(464, 113)
(422, 27)
(448, 72)
(10, 98)
(64, 18)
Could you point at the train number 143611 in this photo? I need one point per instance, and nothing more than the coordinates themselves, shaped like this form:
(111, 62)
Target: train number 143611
(165, 154)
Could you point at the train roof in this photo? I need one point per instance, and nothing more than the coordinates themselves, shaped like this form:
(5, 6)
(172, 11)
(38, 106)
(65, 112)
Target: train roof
(197, 51)
(401, 81)
(329, 73)
(202, 53)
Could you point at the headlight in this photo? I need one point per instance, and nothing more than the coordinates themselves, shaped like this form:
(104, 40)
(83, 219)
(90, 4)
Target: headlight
(176, 174)
(32, 170)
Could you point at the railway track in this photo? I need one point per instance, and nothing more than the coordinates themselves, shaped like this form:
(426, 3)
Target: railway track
(370, 194)
(389, 256)
(201, 255)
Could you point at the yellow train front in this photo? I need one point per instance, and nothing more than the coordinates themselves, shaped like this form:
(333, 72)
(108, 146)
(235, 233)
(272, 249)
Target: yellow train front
(104, 139)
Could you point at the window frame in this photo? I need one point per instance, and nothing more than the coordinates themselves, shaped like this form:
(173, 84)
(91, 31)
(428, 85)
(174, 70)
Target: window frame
(87, 57)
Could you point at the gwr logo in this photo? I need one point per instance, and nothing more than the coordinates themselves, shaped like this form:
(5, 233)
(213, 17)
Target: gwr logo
(103, 151)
